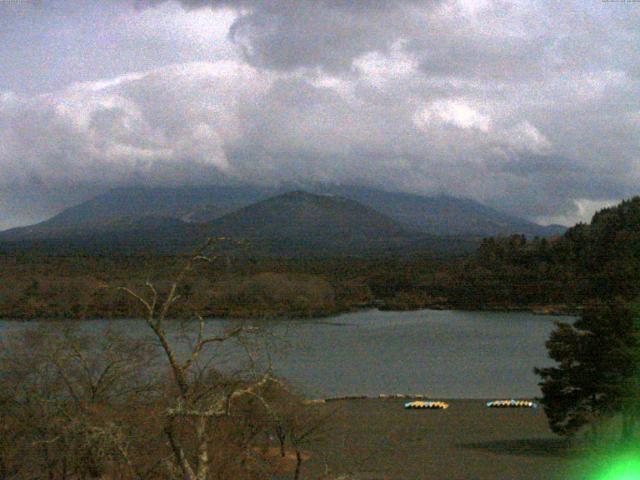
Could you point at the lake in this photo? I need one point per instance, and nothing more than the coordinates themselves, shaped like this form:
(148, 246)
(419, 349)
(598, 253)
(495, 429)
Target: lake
(445, 354)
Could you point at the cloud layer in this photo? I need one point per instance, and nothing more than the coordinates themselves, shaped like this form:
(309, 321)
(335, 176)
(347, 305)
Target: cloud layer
(534, 109)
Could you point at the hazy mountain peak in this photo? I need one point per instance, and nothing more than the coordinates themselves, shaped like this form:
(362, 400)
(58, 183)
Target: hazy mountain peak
(331, 207)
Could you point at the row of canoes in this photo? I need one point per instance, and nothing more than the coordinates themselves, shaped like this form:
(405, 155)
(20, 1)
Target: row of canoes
(511, 404)
(437, 405)
(426, 405)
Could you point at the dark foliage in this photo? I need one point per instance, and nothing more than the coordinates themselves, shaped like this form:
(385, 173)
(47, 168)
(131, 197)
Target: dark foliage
(598, 372)
(596, 362)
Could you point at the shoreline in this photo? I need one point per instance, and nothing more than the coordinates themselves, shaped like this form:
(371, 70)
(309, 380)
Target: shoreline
(550, 310)
(408, 396)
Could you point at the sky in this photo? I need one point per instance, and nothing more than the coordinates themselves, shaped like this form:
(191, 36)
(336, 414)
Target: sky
(529, 107)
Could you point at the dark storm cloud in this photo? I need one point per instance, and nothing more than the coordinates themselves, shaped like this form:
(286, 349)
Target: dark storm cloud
(288, 34)
(531, 107)
(547, 186)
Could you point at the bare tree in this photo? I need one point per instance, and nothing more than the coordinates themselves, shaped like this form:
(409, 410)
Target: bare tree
(295, 422)
(198, 406)
(80, 403)
(64, 394)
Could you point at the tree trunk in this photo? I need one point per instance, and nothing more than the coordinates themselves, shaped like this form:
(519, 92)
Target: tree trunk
(281, 439)
(179, 457)
(296, 475)
(203, 448)
(48, 462)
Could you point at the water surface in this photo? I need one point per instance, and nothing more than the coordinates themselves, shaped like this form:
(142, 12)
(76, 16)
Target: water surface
(447, 354)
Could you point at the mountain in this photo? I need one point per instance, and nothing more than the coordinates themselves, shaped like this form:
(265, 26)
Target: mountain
(290, 224)
(301, 221)
(299, 214)
(139, 208)
(442, 214)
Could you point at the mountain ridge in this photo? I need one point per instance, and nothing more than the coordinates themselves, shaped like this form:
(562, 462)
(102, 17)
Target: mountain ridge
(294, 223)
(444, 214)
(132, 207)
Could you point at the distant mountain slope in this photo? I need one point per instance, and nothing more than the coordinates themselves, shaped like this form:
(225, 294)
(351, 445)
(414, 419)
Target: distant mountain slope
(300, 214)
(290, 224)
(136, 208)
(302, 221)
(442, 214)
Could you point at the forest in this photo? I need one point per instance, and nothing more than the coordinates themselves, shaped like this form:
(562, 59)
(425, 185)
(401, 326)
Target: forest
(556, 275)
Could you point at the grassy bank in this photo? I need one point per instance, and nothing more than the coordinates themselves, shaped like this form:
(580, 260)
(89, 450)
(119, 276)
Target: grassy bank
(378, 439)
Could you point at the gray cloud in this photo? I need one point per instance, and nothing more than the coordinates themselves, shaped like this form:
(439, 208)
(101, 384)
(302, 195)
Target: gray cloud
(290, 34)
(329, 34)
(532, 108)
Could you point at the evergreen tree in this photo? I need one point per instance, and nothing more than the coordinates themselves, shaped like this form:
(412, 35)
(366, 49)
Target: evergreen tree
(630, 388)
(597, 369)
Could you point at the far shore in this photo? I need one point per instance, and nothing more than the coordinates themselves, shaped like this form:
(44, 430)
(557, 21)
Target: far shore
(550, 310)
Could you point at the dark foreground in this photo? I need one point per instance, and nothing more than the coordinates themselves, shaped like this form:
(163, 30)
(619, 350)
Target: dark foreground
(378, 439)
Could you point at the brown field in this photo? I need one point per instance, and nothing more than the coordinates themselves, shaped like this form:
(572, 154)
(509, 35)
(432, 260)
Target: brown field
(378, 439)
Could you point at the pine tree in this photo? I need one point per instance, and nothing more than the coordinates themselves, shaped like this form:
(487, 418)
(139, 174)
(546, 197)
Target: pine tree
(630, 388)
(597, 369)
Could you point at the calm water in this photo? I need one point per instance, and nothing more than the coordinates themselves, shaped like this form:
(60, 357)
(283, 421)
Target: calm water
(446, 354)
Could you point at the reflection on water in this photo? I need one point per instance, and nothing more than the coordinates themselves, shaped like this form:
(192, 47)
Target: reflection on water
(447, 354)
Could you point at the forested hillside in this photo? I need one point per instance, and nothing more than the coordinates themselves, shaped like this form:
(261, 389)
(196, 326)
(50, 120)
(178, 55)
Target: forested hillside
(600, 259)
(592, 260)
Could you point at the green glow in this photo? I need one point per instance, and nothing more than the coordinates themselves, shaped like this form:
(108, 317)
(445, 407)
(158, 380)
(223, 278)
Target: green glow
(621, 468)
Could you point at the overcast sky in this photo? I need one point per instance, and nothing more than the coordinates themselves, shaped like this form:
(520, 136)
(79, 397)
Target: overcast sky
(530, 107)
